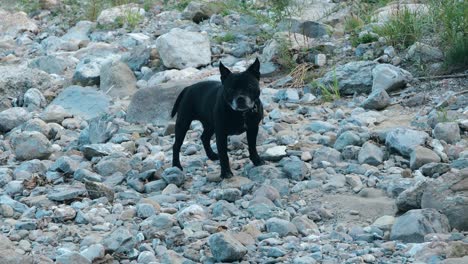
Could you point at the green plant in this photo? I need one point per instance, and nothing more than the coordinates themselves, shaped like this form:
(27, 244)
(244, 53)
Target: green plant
(353, 23)
(403, 29)
(93, 9)
(442, 115)
(365, 38)
(29, 6)
(330, 92)
(228, 37)
(285, 57)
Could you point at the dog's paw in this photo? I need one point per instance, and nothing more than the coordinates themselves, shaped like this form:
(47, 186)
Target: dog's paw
(226, 175)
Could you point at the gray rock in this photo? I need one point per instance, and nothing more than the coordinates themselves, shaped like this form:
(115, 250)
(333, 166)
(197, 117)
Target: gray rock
(287, 95)
(224, 209)
(16, 80)
(275, 153)
(101, 150)
(6, 175)
(181, 49)
(353, 77)
(109, 16)
(14, 187)
(174, 175)
(347, 138)
(66, 165)
(117, 80)
(157, 224)
(96, 190)
(145, 210)
(260, 173)
(405, 140)
(192, 213)
(146, 257)
(370, 154)
(321, 127)
(305, 226)
(229, 194)
(17, 206)
(199, 11)
(66, 193)
(142, 108)
(93, 252)
(110, 165)
(421, 155)
(80, 32)
(155, 186)
(37, 125)
(295, 169)
(446, 194)
(12, 24)
(377, 100)
(8, 254)
(50, 64)
(304, 260)
(424, 53)
(137, 57)
(384, 222)
(12, 118)
(33, 99)
(311, 29)
(120, 240)
(281, 226)
(410, 198)
(389, 78)
(449, 132)
(412, 226)
(55, 114)
(31, 145)
(225, 248)
(433, 168)
(84, 102)
(326, 154)
(88, 71)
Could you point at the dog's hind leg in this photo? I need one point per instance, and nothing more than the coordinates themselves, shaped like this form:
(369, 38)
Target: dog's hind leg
(181, 128)
(206, 137)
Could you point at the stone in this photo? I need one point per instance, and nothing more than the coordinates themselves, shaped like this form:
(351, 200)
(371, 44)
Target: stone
(17, 206)
(229, 194)
(421, 155)
(384, 222)
(260, 173)
(84, 102)
(93, 252)
(33, 99)
(192, 213)
(63, 193)
(353, 77)
(11, 24)
(142, 108)
(412, 226)
(6, 175)
(446, 194)
(370, 154)
(424, 53)
(50, 64)
(389, 78)
(377, 100)
(387, 12)
(120, 240)
(295, 169)
(405, 140)
(111, 15)
(434, 168)
(117, 80)
(31, 145)
(199, 11)
(225, 248)
(347, 138)
(110, 165)
(181, 49)
(80, 32)
(281, 226)
(100, 150)
(8, 254)
(55, 114)
(411, 198)
(320, 127)
(320, 60)
(447, 131)
(326, 154)
(96, 190)
(145, 210)
(12, 118)
(305, 226)
(137, 57)
(88, 71)
(146, 257)
(275, 153)
(174, 175)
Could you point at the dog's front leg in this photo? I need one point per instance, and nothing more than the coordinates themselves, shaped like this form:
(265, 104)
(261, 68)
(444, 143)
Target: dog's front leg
(221, 145)
(252, 132)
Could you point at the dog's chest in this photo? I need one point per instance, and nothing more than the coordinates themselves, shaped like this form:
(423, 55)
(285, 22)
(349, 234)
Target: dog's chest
(236, 125)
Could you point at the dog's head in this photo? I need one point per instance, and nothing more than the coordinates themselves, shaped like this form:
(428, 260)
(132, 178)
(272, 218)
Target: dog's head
(241, 90)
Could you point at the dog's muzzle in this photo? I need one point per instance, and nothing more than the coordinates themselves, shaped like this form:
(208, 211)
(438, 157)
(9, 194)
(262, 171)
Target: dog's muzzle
(242, 103)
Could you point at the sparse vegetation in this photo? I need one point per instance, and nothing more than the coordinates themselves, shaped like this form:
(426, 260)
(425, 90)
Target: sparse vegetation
(228, 37)
(285, 57)
(330, 92)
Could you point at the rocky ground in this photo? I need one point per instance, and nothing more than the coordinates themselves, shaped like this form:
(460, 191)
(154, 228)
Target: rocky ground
(376, 175)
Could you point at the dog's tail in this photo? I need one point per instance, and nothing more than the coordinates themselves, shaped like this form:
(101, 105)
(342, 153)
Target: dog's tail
(177, 102)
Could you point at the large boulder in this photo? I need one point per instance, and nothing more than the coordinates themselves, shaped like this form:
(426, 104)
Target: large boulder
(13, 23)
(225, 248)
(181, 49)
(447, 131)
(448, 194)
(31, 145)
(84, 102)
(421, 155)
(353, 77)
(405, 140)
(154, 105)
(412, 226)
(12, 118)
(117, 79)
(15, 80)
(389, 78)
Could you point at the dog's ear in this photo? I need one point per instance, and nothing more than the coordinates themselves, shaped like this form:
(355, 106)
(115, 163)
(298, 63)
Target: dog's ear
(225, 72)
(254, 69)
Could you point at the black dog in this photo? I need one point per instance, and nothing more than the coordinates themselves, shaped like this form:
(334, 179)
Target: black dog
(229, 107)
